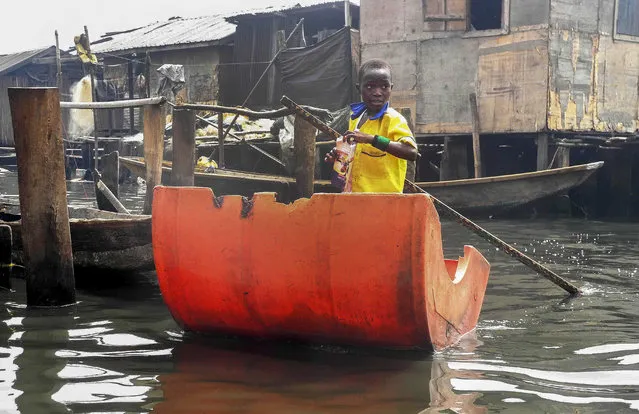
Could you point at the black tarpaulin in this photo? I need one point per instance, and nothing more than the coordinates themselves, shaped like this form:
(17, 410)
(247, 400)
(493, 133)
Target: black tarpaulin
(320, 75)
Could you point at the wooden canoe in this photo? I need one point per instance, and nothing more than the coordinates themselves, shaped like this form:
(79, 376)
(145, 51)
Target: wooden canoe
(471, 196)
(334, 268)
(101, 240)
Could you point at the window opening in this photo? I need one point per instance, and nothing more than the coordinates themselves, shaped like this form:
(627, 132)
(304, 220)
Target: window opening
(488, 14)
(628, 17)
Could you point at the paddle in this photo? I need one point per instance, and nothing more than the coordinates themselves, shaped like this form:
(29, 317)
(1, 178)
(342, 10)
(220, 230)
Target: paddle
(450, 212)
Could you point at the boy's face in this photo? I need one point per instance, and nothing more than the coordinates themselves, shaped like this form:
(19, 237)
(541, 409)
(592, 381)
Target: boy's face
(375, 88)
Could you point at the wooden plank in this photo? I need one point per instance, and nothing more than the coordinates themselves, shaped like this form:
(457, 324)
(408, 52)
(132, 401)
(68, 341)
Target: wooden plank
(304, 149)
(43, 196)
(110, 178)
(542, 151)
(434, 8)
(454, 163)
(182, 173)
(458, 8)
(154, 123)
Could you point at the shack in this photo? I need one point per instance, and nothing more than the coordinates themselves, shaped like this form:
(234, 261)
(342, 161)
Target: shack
(261, 33)
(131, 58)
(26, 69)
(547, 74)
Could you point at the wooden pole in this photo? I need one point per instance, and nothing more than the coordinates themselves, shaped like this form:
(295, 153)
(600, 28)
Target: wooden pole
(476, 144)
(6, 244)
(347, 13)
(154, 123)
(104, 190)
(182, 173)
(449, 211)
(497, 242)
(131, 96)
(58, 63)
(110, 177)
(94, 99)
(542, 151)
(46, 236)
(220, 139)
(304, 149)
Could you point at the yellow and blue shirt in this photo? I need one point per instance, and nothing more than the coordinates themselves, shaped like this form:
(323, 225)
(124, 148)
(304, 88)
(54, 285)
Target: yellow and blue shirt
(373, 170)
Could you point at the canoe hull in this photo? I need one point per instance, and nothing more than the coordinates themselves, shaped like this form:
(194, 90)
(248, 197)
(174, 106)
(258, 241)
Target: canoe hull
(331, 269)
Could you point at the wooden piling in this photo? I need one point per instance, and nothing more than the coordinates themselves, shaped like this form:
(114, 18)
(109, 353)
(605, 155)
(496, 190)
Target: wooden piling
(542, 151)
(182, 173)
(111, 178)
(6, 245)
(304, 150)
(46, 237)
(476, 144)
(154, 123)
(454, 163)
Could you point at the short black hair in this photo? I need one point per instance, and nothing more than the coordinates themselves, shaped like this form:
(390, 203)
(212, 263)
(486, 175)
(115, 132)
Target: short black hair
(373, 64)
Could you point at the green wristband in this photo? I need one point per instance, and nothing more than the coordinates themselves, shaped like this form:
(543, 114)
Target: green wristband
(380, 142)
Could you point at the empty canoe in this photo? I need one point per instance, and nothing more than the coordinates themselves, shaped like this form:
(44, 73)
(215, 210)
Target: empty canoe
(353, 269)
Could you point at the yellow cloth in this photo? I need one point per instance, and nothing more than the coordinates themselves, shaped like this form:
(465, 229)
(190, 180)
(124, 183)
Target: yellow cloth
(376, 171)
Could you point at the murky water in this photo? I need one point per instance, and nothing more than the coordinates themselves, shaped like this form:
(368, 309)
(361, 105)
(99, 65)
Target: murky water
(532, 352)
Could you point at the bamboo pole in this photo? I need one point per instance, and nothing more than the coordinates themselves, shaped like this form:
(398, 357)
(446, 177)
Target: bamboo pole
(154, 123)
(126, 103)
(182, 173)
(46, 236)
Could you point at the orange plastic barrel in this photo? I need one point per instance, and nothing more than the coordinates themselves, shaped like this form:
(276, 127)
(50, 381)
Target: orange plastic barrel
(359, 269)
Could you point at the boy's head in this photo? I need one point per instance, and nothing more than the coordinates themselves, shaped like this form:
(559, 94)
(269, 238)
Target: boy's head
(375, 83)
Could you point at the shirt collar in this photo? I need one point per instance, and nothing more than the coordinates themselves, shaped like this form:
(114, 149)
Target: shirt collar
(358, 109)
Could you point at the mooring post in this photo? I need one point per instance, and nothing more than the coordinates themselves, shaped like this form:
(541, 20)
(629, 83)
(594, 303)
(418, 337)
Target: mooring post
(111, 178)
(304, 149)
(182, 172)
(46, 237)
(220, 139)
(6, 244)
(154, 123)
(542, 151)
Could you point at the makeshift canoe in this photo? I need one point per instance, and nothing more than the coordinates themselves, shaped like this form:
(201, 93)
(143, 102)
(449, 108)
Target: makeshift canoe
(475, 196)
(354, 269)
(101, 240)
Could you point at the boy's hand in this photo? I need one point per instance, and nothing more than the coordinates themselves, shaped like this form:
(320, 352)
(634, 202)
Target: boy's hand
(330, 156)
(359, 137)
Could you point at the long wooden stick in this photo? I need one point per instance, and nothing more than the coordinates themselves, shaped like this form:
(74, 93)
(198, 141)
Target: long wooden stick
(450, 212)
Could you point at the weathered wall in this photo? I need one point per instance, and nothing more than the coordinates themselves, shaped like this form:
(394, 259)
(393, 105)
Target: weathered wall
(594, 80)
(436, 65)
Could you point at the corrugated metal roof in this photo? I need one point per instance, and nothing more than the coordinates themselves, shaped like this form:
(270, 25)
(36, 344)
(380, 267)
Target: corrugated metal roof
(176, 31)
(9, 63)
(289, 5)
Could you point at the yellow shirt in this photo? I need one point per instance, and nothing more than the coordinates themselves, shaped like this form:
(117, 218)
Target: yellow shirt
(376, 171)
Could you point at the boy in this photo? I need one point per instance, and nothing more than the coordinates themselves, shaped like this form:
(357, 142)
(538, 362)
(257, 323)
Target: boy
(384, 139)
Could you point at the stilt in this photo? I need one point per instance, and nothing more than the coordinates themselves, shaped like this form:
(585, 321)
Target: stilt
(46, 237)
(6, 244)
(154, 123)
(454, 164)
(304, 149)
(220, 139)
(542, 151)
(182, 172)
(110, 177)
(563, 157)
(476, 143)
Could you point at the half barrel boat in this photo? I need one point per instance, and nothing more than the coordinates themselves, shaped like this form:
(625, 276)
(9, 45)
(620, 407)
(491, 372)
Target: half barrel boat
(352, 269)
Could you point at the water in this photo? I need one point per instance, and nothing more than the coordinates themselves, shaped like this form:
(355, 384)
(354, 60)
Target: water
(533, 351)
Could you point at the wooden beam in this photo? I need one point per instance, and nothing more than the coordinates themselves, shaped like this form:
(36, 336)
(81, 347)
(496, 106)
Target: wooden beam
(127, 103)
(278, 113)
(154, 123)
(46, 236)
(182, 173)
(304, 150)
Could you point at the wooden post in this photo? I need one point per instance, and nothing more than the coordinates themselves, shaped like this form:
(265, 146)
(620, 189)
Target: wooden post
(6, 244)
(94, 99)
(154, 123)
(542, 151)
(58, 63)
(46, 237)
(131, 96)
(476, 144)
(454, 164)
(182, 173)
(304, 150)
(110, 177)
(563, 157)
(220, 139)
